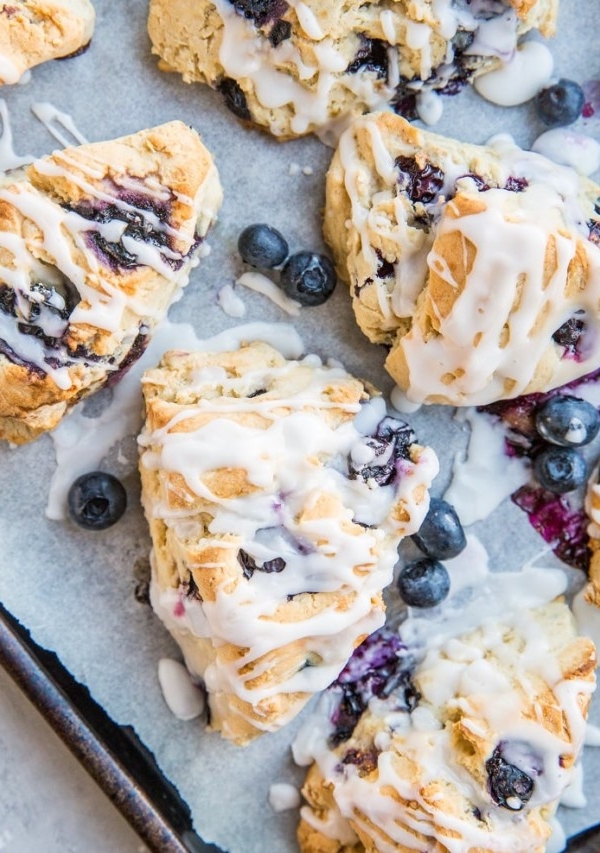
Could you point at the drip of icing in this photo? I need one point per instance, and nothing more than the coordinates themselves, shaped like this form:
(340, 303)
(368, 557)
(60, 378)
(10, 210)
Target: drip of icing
(8, 158)
(183, 698)
(519, 79)
(429, 106)
(81, 443)
(230, 302)
(262, 284)
(401, 403)
(50, 116)
(283, 797)
(568, 148)
(485, 476)
(454, 663)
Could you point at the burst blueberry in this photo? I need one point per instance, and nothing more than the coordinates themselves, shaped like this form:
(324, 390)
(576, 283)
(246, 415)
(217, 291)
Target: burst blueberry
(441, 535)
(308, 278)
(423, 583)
(509, 786)
(262, 246)
(560, 469)
(97, 500)
(560, 104)
(567, 421)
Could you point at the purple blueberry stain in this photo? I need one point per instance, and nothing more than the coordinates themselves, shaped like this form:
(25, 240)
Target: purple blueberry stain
(420, 183)
(509, 786)
(385, 268)
(249, 564)
(390, 445)
(372, 55)
(381, 666)
(261, 12)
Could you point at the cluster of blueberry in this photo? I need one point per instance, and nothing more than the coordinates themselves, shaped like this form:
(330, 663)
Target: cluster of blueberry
(307, 277)
(564, 423)
(425, 582)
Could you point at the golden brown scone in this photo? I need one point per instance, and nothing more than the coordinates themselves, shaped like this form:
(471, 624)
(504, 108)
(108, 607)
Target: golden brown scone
(297, 66)
(277, 492)
(592, 508)
(34, 31)
(478, 266)
(464, 745)
(95, 242)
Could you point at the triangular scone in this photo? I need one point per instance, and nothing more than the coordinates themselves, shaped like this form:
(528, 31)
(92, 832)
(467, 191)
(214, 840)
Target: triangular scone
(461, 744)
(479, 266)
(34, 31)
(297, 66)
(95, 242)
(277, 493)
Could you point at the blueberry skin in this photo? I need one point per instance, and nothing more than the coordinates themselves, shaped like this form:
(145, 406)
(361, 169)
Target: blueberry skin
(441, 535)
(96, 500)
(560, 104)
(560, 469)
(510, 787)
(308, 278)
(567, 421)
(423, 583)
(262, 246)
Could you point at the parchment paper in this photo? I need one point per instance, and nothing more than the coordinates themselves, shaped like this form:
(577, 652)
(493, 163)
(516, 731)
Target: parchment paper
(75, 590)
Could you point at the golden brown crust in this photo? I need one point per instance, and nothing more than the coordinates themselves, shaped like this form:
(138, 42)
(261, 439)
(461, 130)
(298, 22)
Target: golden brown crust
(256, 389)
(195, 40)
(119, 175)
(34, 31)
(411, 265)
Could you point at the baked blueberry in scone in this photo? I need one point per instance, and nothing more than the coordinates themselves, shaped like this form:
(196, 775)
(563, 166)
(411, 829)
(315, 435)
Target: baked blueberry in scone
(34, 31)
(276, 492)
(461, 736)
(478, 266)
(95, 242)
(296, 66)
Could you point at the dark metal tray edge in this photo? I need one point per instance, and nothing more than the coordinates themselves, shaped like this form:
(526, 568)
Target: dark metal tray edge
(113, 755)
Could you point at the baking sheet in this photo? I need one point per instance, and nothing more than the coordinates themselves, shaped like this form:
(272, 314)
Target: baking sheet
(76, 591)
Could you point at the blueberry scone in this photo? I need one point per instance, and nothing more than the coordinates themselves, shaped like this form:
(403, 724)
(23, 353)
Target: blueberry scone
(479, 267)
(463, 742)
(34, 31)
(276, 492)
(95, 243)
(592, 508)
(296, 66)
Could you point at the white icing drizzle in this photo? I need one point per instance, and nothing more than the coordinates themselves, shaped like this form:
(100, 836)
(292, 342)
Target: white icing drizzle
(283, 797)
(231, 303)
(490, 340)
(245, 53)
(8, 158)
(183, 698)
(50, 117)
(262, 284)
(485, 476)
(468, 667)
(9, 71)
(81, 443)
(518, 80)
(274, 520)
(564, 146)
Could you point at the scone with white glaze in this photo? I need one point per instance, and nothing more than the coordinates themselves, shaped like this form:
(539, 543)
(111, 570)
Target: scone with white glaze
(457, 737)
(276, 492)
(592, 508)
(478, 266)
(95, 243)
(296, 66)
(34, 31)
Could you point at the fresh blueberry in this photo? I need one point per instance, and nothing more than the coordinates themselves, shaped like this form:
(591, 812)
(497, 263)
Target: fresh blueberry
(308, 278)
(97, 500)
(568, 421)
(509, 786)
(262, 246)
(441, 535)
(423, 583)
(560, 469)
(560, 104)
